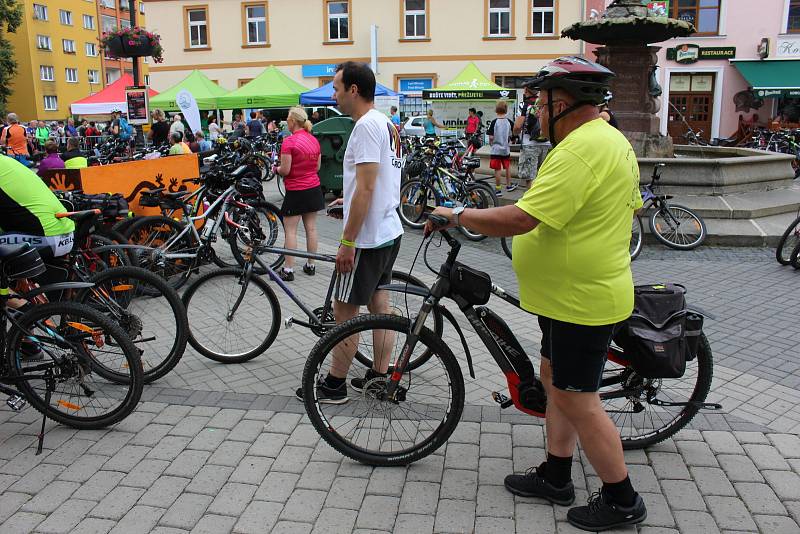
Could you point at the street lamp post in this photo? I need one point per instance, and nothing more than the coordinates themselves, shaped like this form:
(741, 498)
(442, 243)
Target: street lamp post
(132, 8)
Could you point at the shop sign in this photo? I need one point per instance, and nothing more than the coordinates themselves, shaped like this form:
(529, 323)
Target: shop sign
(777, 93)
(138, 105)
(315, 71)
(787, 46)
(691, 53)
(415, 85)
(659, 9)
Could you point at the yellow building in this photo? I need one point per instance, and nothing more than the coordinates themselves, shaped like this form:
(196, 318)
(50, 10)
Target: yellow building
(58, 56)
(420, 43)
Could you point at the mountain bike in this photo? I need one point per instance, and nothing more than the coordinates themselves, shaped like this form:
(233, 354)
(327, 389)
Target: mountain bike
(789, 242)
(400, 418)
(673, 225)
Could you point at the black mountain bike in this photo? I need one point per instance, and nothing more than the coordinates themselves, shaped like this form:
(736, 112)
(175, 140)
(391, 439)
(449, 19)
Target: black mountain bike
(406, 416)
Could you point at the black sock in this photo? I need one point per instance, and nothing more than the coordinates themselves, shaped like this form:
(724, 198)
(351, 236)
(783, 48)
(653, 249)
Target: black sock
(557, 470)
(333, 382)
(621, 492)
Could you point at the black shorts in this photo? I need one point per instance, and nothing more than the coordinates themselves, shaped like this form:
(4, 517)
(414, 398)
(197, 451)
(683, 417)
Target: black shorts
(303, 201)
(577, 353)
(373, 267)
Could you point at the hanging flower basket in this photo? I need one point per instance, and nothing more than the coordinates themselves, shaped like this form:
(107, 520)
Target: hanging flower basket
(132, 42)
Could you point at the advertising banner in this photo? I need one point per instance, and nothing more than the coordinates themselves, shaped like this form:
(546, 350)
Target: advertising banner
(188, 106)
(138, 105)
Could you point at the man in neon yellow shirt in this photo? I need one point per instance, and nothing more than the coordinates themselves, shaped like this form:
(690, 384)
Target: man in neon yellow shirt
(571, 257)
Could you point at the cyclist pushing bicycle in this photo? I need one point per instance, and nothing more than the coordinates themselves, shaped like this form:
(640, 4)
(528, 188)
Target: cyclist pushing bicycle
(572, 233)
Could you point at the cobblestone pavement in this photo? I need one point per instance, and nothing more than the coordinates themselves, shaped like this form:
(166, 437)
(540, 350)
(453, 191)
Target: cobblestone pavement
(218, 448)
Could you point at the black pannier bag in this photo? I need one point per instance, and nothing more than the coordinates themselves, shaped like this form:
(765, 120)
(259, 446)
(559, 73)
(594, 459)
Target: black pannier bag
(475, 286)
(654, 338)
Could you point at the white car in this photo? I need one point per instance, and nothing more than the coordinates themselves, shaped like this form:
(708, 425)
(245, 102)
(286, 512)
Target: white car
(413, 126)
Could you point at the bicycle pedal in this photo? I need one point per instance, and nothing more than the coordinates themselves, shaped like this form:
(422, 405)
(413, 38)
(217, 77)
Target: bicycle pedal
(16, 402)
(288, 322)
(501, 399)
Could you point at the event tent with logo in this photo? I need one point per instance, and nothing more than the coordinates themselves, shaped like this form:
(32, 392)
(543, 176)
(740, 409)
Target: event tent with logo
(202, 88)
(323, 96)
(101, 103)
(270, 89)
(470, 84)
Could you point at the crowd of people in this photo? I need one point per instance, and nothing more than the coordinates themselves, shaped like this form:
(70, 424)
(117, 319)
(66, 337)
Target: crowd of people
(24, 141)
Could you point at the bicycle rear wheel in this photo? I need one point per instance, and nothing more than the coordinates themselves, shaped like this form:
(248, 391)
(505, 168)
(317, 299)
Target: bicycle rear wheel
(268, 220)
(789, 241)
(478, 196)
(154, 232)
(370, 428)
(415, 198)
(678, 227)
(505, 242)
(633, 401)
(637, 237)
(81, 357)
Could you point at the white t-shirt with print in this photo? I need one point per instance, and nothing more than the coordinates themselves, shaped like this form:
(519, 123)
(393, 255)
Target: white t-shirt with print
(375, 140)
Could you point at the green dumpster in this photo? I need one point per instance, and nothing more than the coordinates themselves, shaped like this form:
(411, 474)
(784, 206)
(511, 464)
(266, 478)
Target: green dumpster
(332, 135)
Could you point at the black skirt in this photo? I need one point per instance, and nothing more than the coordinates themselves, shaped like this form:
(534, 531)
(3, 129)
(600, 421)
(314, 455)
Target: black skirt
(303, 201)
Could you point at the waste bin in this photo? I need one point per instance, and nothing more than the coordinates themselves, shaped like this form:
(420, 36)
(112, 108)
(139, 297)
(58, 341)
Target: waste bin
(332, 135)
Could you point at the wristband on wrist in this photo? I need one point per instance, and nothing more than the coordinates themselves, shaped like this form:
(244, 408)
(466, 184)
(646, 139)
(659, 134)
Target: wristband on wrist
(345, 242)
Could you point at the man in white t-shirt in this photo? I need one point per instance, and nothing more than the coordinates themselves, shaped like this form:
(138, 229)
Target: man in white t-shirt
(372, 229)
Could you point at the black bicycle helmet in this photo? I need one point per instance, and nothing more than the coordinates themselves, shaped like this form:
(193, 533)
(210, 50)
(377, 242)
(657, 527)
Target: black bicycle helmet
(586, 81)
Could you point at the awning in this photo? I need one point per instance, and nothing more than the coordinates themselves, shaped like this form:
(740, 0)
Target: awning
(771, 78)
(323, 96)
(101, 103)
(204, 91)
(470, 84)
(270, 89)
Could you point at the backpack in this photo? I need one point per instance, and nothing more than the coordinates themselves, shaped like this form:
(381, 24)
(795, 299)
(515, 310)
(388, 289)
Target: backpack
(125, 129)
(531, 126)
(656, 338)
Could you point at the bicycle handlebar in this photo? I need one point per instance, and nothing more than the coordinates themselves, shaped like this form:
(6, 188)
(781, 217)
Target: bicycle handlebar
(71, 214)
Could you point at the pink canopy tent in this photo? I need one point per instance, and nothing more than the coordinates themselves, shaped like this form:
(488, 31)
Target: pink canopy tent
(103, 102)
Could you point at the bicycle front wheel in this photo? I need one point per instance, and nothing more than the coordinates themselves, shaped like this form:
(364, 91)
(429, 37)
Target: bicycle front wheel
(160, 233)
(371, 428)
(74, 365)
(678, 227)
(505, 242)
(637, 237)
(478, 196)
(639, 406)
(229, 321)
(789, 241)
(415, 198)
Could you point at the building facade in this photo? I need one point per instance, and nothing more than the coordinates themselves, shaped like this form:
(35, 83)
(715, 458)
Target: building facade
(58, 55)
(417, 44)
(727, 69)
(114, 14)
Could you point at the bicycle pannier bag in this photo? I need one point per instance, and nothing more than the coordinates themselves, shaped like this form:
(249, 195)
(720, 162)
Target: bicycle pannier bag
(475, 286)
(654, 337)
(694, 329)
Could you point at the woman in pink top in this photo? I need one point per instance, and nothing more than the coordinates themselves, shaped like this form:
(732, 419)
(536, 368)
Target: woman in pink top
(300, 161)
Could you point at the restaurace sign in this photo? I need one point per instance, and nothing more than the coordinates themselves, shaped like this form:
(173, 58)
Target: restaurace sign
(692, 53)
(786, 46)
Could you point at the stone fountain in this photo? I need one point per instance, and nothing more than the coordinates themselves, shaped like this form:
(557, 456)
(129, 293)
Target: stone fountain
(626, 29)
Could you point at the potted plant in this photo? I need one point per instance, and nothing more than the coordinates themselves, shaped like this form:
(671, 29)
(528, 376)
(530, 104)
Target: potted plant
(132, 42)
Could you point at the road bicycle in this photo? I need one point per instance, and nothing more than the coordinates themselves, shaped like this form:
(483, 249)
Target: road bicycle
(405, 416)
(69, 361)
(222, 305)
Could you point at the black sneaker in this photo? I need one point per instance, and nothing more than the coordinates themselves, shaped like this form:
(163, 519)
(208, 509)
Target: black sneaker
(286, 276)
(602, 514)
(531, 484)
(498, 192)
(310, 270)
(326, 394)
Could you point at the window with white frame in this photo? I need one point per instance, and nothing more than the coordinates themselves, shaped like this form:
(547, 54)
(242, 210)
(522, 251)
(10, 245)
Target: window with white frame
(65, 17)
(543, 17)
(256, 22)
(112, 75)
(47, 73)
(124, 5)
(338, 21)
(141, 8)
(793, 22)
(91, 50)
(69, 46)
(50, 103)
(198, 27)
(88, 22)
(43, 42)
(107, 3)
(499, 18)
(71, 74)
(93, 76)
(108, 23)
(124, 22)
(39, 12)
(414, 19)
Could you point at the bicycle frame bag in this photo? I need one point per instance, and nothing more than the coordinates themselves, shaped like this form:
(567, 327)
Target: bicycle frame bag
(654, 337)
(473, 285)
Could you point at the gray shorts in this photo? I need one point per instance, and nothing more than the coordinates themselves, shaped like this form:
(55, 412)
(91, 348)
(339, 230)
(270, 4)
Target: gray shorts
(530, 159)
(372, 268)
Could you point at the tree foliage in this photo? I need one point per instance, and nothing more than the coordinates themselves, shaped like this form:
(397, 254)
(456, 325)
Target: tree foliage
(10, 19)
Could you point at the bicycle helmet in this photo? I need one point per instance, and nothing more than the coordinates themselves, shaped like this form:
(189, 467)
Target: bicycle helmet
(414, 167)
(116, 109)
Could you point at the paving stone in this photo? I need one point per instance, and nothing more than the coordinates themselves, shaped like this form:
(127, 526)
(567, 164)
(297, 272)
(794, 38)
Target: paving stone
(428, 469)
(459, 484)
(766, 457)
(282, 423)
(788, 445)
(455, 516)
(466, 432)
(210, 479)
(140, 519)
(319, 476)
(377, 512)
(172, 414)
(495, 446)
(350, 468)
(651, 530)
(189, 426)
(751, 437)
(334, 521)
(208, 439)
(683, 495)
(658, 512)
(150, 435)
(529, 513)
(37, 479)
(6, 481)
(794, 509)
(135, 422)
(21, 523)
(739, 468)
(145, 473)
(66, 517)
(419, 498)
(67, 453)
(419, 524)
(492, 471)
(187, 463)
(258, 517)
(303, 505)
(730, 513)
(117, 503)
(636, 457)
(164, 491)
(291, 527)
(168, 530)
(169, 448)
(10, 503)
(246, 430)
(786, 484)
(186, 511)
(494, 501)
(232, 499)
(723, 442)
(205, 411)
(303, 435)
(226, 418)
(527, 457)
(776, 524)
(325, 453)
(668, 445)
(83, 468)
(669, 466)
(759, 498)
(251, 470)
(527, 436)
(277, 487)
(643, 478)
(51, 497)
(292, 459)
(268, 445)
(712, 481)
(111, 443)
(461, 456)
(387, 481)
(229, 453)
(697, 453)
(214, 524)
(126, 459)
(690, 522)
(347, 492)
(99, 485)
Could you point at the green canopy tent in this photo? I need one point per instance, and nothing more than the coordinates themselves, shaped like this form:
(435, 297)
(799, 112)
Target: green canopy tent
(202, 88)
(270, 89)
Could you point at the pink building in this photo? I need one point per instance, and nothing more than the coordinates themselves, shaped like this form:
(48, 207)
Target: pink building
(744, 60)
